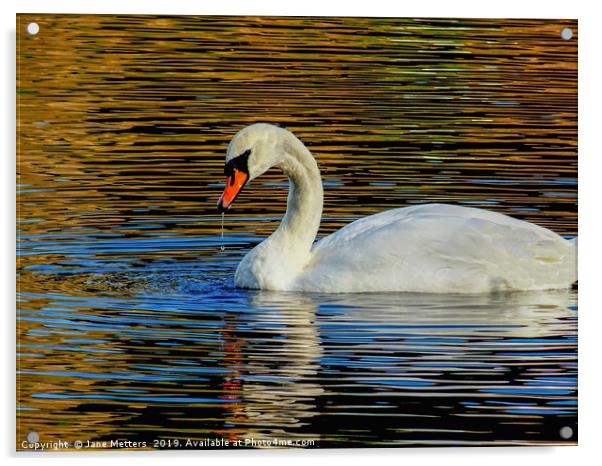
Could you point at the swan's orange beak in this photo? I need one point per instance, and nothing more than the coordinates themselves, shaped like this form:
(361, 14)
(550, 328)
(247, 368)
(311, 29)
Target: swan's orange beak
(234, 184)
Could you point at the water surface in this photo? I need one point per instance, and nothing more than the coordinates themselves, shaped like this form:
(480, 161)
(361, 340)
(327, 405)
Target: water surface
(129, 326)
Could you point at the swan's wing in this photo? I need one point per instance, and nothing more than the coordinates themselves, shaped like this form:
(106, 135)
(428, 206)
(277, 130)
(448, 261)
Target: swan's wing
(440, 248)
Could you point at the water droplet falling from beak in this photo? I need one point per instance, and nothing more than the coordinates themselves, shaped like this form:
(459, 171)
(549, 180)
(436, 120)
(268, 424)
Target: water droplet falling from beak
(222, 247)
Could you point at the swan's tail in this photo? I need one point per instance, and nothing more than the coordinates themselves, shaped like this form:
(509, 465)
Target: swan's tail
(574, 243)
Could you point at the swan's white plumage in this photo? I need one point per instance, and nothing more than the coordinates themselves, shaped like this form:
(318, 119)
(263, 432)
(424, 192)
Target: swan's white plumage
(439, 248)
(425, 248)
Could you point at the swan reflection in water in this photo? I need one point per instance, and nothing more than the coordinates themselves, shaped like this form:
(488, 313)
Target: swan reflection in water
(309, 359)
(276, 373)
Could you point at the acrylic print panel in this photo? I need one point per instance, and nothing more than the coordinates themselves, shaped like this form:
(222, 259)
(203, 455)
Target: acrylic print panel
(132, 331)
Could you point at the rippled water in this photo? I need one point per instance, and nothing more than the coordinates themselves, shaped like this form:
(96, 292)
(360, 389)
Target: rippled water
(129, 326)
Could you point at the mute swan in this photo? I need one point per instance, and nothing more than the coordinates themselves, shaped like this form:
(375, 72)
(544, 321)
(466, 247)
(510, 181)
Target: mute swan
(434, 248)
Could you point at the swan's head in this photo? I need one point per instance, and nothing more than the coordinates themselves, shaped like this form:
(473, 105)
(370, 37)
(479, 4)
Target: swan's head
(252, 152)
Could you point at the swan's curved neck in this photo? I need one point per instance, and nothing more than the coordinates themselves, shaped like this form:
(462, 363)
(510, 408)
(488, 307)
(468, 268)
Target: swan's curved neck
(300, 225)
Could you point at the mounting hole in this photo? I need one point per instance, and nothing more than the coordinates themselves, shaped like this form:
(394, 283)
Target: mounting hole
(33, 437)
(566, 33)
(33, 28)
(566, 432)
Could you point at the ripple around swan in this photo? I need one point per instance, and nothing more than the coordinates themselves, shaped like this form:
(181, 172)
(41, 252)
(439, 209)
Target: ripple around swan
(129, 324)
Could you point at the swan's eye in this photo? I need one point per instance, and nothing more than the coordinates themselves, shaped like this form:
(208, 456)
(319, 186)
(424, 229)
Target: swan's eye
(240, 162)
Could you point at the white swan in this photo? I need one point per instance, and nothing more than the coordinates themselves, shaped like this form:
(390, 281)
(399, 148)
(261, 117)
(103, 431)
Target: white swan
(433, 248)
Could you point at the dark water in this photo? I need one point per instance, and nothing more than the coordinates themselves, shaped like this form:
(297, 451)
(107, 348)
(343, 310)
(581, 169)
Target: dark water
(129, 326)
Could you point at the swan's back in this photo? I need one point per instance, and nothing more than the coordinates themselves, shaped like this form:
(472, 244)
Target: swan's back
(440, 248)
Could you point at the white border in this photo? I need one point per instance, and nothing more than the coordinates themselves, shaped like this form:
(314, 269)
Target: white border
(589, 213)
(424, 8)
